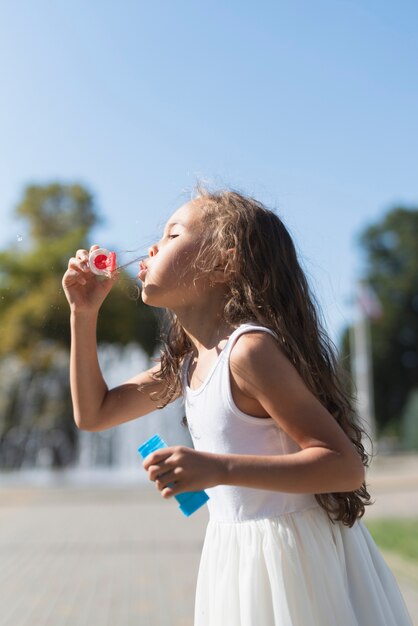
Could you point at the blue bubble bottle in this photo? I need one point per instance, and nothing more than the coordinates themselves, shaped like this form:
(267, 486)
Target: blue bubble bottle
(189, 501)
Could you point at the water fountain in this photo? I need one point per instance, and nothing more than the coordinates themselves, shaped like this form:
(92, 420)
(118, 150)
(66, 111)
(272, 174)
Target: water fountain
(31, 398)
(116, 448)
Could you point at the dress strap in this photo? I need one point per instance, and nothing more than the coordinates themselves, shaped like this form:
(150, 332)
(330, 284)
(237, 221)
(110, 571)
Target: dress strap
(223, 356)
(241, 330)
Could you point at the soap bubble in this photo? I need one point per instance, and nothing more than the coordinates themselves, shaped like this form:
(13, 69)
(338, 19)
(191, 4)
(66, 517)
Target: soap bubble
(20, 237)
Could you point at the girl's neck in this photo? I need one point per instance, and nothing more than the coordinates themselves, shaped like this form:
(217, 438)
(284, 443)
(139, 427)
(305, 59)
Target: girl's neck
(202, 319)
(204, 331)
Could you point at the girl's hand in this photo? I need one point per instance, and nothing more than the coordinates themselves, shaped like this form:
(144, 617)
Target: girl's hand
(84, 290)
(184, 469)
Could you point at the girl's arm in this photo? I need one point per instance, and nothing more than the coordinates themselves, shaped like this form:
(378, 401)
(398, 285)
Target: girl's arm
(263, 378)
(327, 462)
(95, 406)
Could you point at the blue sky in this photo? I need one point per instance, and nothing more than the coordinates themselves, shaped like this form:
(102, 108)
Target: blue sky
(309, 106)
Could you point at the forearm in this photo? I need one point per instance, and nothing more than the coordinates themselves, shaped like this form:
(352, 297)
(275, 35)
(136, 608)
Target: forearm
(312, 470)
(88, 388)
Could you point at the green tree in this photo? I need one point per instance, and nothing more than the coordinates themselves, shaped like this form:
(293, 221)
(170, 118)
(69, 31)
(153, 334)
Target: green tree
(53, 211)
(391, 255)
(35, 405)
(32, 304)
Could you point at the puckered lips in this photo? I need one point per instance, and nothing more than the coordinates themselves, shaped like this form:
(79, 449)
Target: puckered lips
(142, 271)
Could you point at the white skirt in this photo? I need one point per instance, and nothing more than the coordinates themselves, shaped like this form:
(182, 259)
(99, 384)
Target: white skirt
(298, 569)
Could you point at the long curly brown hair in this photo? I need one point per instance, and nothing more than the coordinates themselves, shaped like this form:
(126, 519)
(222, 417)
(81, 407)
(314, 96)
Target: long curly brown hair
(267, 285)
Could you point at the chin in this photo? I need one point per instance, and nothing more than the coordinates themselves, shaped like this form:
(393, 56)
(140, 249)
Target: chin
(144, 296)
(148, 299)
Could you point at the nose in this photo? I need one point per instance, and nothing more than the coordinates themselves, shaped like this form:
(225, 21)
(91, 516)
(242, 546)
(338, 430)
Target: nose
(153, 250)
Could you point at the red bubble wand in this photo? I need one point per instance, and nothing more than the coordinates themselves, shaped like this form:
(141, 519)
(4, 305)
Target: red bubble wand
(103, 262)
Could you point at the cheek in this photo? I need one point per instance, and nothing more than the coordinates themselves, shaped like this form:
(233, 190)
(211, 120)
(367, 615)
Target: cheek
(173, 270)
(185, 264)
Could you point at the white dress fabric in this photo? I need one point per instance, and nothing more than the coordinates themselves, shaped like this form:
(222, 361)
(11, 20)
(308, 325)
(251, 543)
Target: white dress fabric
(272, 558)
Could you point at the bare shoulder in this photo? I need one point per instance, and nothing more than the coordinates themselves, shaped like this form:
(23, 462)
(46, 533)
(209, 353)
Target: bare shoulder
(264, 373)
(261, 368)
(258, 351)
(257, 362)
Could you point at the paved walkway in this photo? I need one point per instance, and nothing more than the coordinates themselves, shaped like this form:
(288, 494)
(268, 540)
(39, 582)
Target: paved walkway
(393, 483)
(96, 557)
(121, 556)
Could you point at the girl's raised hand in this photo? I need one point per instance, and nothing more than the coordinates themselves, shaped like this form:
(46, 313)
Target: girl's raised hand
(84, 290)
(184, 469)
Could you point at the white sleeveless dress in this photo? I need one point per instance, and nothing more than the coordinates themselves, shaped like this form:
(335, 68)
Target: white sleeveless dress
(272, 558)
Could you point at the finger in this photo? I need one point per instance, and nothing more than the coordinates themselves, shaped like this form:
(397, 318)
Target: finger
(169, 492)
(163, 480)
(82, 254)
(94, 247)
(72, 276)
(77, 265)
(74, 264)
(83, 257)
(154, 471)
(81, 264)
(79, 269)
(155, 458)
(170, 478)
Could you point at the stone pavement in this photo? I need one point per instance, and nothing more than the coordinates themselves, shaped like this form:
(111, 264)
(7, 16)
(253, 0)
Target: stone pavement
(120, 555)
(82, 556)
(393, 483)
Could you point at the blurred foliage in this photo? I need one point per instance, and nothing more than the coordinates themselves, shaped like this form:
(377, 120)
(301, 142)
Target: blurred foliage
(391, 251)
(53, 211)
(409, 425)
(32, 303)
(35, 405)
(397, 535)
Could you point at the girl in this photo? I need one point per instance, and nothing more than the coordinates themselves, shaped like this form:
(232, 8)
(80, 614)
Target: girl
(276, 444)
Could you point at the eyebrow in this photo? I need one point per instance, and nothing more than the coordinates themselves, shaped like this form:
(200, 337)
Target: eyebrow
(170, 224)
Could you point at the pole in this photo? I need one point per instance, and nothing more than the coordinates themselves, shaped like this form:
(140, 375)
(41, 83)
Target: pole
(361, 364)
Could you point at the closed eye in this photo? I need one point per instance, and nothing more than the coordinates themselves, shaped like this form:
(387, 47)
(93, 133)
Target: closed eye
(172, 236)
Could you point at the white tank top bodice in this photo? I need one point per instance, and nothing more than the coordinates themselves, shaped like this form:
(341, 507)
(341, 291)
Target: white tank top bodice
(217, 425)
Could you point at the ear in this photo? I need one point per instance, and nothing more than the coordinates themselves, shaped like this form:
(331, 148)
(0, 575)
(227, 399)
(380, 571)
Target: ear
(226, 268)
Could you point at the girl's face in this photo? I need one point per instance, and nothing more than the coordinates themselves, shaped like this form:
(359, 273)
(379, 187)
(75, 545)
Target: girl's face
(168, 276)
